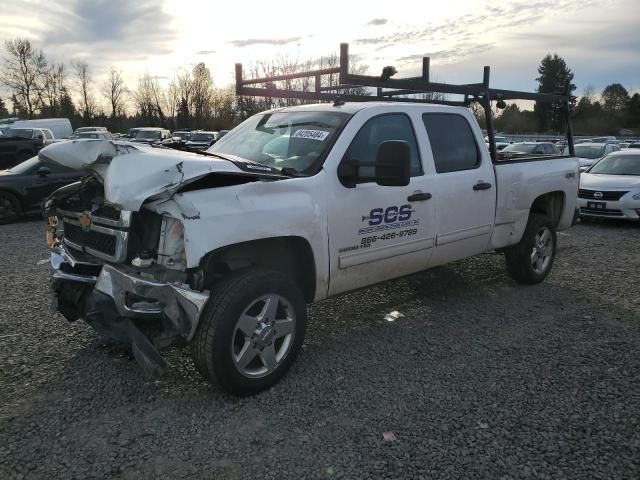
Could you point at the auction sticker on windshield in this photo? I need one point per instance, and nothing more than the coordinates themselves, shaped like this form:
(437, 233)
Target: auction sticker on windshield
(311, 134)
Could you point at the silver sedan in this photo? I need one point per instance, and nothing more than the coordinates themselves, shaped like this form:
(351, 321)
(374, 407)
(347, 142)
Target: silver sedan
(611, 187)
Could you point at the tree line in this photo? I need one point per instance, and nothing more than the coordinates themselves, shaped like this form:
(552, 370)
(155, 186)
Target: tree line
(40, 88)
(615, 111)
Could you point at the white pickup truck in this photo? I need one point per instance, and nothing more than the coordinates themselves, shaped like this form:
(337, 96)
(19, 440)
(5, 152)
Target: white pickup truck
(224, 250)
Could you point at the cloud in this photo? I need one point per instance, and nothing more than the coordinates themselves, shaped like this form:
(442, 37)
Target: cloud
(107, 26)
(378, 21)
(263, 41)
(205, 52)
(456, 52)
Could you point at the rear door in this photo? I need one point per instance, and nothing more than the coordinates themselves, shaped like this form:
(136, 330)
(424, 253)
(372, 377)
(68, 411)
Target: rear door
(465, 187)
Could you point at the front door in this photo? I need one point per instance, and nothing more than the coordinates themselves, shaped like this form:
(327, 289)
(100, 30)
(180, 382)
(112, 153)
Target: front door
(380, 232)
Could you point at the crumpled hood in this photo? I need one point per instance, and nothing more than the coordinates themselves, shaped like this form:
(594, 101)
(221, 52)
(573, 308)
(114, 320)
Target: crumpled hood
(603, 182)
(131, 174)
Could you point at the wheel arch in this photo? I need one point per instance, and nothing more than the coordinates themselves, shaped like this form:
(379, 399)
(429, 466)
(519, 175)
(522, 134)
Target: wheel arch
(551, 204)
(288, 254)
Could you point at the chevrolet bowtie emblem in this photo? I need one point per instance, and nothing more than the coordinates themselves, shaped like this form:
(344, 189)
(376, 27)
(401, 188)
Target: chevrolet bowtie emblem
(85, 221)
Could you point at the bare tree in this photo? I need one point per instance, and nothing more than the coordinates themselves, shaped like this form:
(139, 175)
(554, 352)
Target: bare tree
(53, 90)
(84, 81)
(115, 90)
(22, 72)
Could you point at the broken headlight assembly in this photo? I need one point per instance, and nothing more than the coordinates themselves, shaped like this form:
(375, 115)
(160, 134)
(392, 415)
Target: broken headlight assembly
(157, 240)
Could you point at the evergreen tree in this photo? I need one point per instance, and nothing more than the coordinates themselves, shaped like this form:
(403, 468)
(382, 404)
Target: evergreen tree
(554, 76)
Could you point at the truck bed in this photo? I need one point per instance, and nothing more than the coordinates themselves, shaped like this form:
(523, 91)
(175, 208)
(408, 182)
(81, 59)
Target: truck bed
(520, 182)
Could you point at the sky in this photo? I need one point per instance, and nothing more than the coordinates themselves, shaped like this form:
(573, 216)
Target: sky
(598, 39)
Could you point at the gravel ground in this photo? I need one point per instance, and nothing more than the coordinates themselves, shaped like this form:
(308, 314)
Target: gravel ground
(481, 378)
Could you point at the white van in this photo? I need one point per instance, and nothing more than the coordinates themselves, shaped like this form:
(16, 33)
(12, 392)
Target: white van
(60, 127)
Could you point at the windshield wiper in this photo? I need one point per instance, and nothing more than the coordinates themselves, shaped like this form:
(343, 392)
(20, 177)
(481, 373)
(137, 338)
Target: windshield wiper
(286, 171)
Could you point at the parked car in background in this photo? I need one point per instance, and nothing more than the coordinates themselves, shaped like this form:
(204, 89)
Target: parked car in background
(132, 132)
(623, 145)
(59, 127)
(634, 145)
(590, 153)
(182, 134)
(524, 149)
(24, 187)
(90, 129)
(201, 140)
(152, 135)
(222, 133)
(609, 139)
(97, 134)
(611, 187)
(19, 144)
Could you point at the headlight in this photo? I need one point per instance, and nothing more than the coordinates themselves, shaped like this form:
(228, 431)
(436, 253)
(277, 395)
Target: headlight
(171, 251)
(52, 231)
(636, 196)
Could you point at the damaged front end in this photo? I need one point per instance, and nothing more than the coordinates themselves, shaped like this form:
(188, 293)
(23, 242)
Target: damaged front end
(124, 272)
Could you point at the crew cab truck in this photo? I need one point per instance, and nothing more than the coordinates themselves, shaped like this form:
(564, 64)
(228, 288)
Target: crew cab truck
(224, 250)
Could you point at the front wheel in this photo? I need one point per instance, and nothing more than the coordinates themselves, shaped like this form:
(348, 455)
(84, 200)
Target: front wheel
(250, 331)
(530, 261)
(10, 208)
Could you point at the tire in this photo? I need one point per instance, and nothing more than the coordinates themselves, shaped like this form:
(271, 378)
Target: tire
(10, 207)
(229, 351)
(530, 261)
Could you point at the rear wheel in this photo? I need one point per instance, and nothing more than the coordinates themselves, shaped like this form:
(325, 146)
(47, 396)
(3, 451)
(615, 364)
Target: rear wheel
(250, 331)
(530, 261)
(10, 208)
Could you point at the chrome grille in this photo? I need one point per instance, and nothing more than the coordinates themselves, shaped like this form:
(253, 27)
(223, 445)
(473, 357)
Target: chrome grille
(607, 195)
(104, 238)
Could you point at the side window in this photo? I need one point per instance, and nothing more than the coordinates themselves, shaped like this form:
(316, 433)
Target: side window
(452, 142)
(47, 134)
(393, 126)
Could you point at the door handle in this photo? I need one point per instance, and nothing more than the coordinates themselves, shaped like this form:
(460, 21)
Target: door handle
(418, 197)
(482, 186)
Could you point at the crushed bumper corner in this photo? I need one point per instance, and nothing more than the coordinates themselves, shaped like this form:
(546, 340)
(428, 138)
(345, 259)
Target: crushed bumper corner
(149, 315)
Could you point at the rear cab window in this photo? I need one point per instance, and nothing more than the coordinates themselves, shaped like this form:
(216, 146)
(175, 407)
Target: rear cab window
(452, 142)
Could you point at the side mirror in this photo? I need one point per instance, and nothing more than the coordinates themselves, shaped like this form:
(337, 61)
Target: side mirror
(44, 171)
(40, 137)
(393, 164)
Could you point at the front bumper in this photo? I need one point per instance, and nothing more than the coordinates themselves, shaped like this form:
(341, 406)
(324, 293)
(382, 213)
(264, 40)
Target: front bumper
(121, 304)
(626, 209)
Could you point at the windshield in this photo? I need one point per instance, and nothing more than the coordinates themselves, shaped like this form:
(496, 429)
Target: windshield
(148, 135)
(618, 165)
(201, 137)
(520, 148)
(182, 135)
(19, 133)
(589, 151)
(25, 166)
(285, 139)
(85, 135)
(132, 132)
